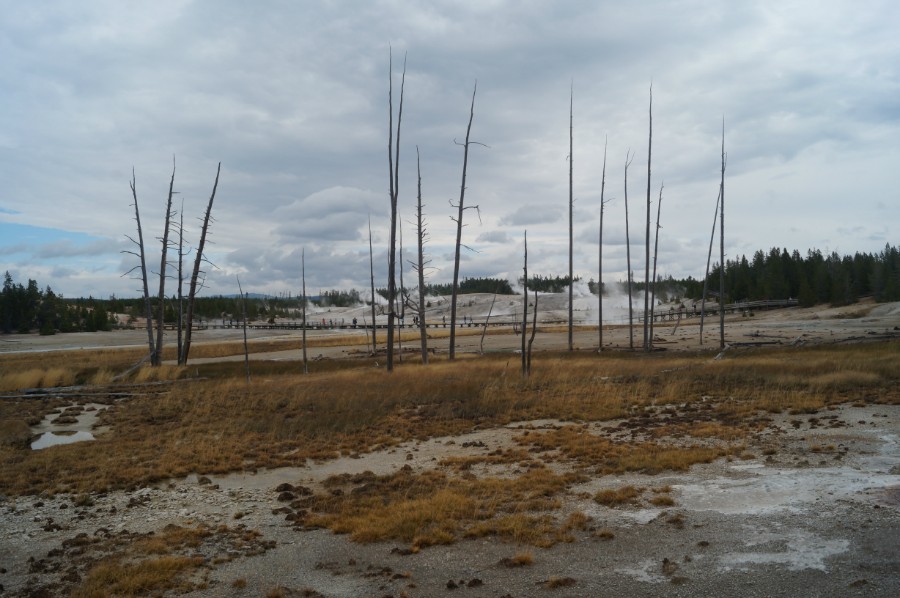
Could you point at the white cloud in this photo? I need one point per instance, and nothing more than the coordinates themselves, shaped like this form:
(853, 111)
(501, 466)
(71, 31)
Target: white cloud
(291, 97)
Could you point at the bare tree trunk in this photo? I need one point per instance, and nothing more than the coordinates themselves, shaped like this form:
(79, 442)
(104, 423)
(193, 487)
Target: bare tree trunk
(402, 303)
(712, 236)
(600, 256)
(486, 320)
(571, 207)
(459, 227)
(525, 308)
(420, 267)
(722, 246)
(372, 279)
(533, 330)
(148, 310)
(180, 280)
(160, 320)
(303, 277)
(655, 254)
(647, 234)
(244, 318)
(192, 293)
(394, 167)
(628, 256)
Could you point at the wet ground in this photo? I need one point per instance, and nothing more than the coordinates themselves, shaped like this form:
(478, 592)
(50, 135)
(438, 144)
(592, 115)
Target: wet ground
(819, 515)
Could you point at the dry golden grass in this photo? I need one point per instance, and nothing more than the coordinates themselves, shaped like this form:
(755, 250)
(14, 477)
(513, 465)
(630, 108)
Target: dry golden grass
(171, 561)
(430, 508)
(222, 424)
(520, 559)
(37, 378)
(116, 578)
(617, 497)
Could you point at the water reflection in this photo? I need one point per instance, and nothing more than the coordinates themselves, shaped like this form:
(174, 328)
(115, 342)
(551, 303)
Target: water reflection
(56, 438)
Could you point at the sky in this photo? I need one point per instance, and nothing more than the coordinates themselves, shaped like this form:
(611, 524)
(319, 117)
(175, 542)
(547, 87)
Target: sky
(292, 98)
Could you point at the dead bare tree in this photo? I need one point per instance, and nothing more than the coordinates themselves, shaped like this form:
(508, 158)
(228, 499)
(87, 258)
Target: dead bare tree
(525, 307)
(571, 209)
(647, 234)
(486, 321)
(712, 236)
(394, 171)
(531, 338)
(655, 253)
(198, 260)
(600, 254)
(400, 296)
(419, 267)
(162, 273)
(628, 159)
(180, 279)
(722, 246)
(303, 278)
(459, 226)
(141, 255)
(372, 280)
(244, 320)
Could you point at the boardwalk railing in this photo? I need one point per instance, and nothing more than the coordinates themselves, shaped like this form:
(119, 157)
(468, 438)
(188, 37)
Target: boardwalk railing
(713, 308)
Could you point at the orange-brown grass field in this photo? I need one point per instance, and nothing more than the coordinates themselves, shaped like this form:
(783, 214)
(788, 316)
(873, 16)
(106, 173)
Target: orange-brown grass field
(614, 413)
(219, 423)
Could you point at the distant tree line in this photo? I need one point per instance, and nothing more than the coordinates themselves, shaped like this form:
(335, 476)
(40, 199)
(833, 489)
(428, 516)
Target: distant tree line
(813, 279)
(776, 274)
(548, 284)
(27, 308)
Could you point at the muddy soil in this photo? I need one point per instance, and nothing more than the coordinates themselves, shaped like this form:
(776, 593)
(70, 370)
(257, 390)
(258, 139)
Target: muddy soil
(812, 509)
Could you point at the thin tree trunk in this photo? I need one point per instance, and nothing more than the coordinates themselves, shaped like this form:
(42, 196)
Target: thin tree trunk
(647, 234)
(148, 310)
(303, 277)
(712, 236)
(486, 320)
(459, 227)
(420, 268)
(372, 280)
(180, 281)
(244, 318)
(192, 293)
(628, 258)
(533, 331)
(402, 303)
(600, 256)
(571, 206)
(160, 320)
(525, 307)
(655, 254)
(722, 246)
(394, 167)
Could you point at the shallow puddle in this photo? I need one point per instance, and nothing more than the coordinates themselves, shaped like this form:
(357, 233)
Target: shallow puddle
(48, 439)
(78, 426)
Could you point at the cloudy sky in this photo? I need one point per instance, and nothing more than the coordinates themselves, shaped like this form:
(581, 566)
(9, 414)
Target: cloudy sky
(291, 97)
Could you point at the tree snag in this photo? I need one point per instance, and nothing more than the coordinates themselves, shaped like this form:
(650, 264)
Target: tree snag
(198, 259)
(372, 280)
(647, 234)
(655, 253)
(394, 176)
(141, 255)
(600, 254)
(162, 273)
(459, 226)
(571, 207)
(628, 159)
(420, 264)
